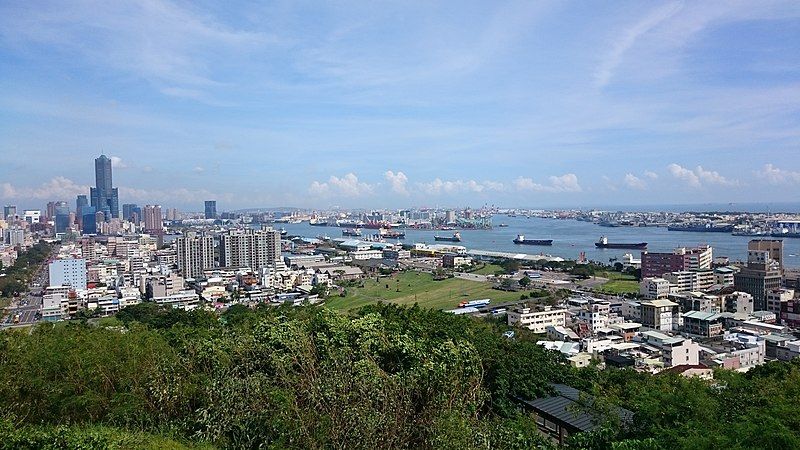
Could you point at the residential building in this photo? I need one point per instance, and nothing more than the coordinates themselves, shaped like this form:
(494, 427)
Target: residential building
(194, 253)
(654, 288)
(773, 246)
(9, 211)
(675, 351)
(537, 319)
(661, 315)
(739, 302)
(250, 248)
(153, 219)
(775, 299)
(656, 264)
(68, 272)
(704, 324)
(760, 276)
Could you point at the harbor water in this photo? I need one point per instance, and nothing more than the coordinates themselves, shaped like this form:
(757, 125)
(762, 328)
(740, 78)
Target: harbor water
(570, 238)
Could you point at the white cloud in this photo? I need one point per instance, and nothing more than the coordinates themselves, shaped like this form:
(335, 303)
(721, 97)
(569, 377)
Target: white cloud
(609, 64)
(564, 183)
(439, 186)
(699, 176)
(634, 182)
(775, 175)
(397, 181)
(198, 169)
(172, 196)
(347, 186)
(58, 188)
(650, 175)
(117, 162)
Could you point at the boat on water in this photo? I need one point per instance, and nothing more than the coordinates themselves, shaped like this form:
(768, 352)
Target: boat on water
(283, 231)
(456, 237)
(701, 228)
(318, 222)
(786, 235)
(522, 241)
(351, 232)
(503, 225)
(609, 224)
(392, 234)
(603, 243)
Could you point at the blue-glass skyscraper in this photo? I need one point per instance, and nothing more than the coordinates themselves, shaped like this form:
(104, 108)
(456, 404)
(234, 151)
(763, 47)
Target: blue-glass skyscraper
(62, 217)
(88, 220)
(104, 196)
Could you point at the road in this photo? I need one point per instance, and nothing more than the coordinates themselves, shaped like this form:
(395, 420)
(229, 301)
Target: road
(28, 305)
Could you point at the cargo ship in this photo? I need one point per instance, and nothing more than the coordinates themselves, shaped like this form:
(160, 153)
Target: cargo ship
(456, 237)
(701, 228)
(318, 222)
(603, 243)
(522, 241)
(351, 232)
(392, 234)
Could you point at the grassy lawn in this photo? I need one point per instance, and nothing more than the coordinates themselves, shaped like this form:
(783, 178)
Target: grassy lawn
(488, 269)
(416, 287)
(618, 283)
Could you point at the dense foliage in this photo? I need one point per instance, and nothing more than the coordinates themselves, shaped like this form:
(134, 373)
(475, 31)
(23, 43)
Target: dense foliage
(386, 377)
(14, 279)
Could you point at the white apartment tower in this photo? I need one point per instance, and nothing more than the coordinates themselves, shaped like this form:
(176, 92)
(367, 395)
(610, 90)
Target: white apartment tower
(250, 248)
(195, 253)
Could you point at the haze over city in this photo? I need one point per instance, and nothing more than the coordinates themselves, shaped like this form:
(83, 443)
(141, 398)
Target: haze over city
(406, 104)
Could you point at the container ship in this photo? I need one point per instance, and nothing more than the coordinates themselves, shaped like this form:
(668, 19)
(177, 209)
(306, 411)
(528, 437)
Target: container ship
(522, 241)
(701, 228)
(603, 243)
(351, 232)
(456, 237)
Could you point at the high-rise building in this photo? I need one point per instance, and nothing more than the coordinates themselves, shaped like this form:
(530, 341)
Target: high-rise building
(255, 249)
(172, 214)
(655, 265)
(68, 272)
(761, 275)
(62, 217)
(81, 202)
(104, 196)
(211, 209)
(89, 220)
(127, 210)
(9, 211)
(51, 210)
(14, 236)
(195, 253)
(153, 218)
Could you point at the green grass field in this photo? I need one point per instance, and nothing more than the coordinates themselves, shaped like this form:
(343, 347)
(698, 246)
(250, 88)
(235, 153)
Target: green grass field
(618, 283)
(488, 269)
(416, 287)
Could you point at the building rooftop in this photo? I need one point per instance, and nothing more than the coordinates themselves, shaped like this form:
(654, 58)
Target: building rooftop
(569, 405)
(659, 303)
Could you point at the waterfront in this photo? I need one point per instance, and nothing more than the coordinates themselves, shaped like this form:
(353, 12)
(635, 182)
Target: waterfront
(570, 238)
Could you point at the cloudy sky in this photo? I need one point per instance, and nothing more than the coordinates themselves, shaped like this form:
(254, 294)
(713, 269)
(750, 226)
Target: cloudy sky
(403, 103)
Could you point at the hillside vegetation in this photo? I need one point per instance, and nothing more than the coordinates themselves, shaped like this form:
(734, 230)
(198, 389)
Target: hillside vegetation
(382, 377)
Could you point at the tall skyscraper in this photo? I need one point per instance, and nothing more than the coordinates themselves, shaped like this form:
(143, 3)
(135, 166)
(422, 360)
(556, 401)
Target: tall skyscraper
(9, 211)
(51, 210)
(195, 253)
(211, 209)
(104, 195)
(62, 217)
(88, 220)
(250, 248)
(81, 202)
(153, 218)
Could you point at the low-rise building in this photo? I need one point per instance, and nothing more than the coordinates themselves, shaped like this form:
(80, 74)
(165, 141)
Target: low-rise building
(663, 315)
(654, 288)
(537, 319)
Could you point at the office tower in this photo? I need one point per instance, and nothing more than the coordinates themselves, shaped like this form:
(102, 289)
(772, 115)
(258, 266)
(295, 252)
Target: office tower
(51, 210)
(32, 216)
(81, 202)
(773, 246)
(211, 209)
(127, 211)
(761, 275)
(61, 217)
(68, 272)
(104, 196)
(9, 211)
(657, 264)
(89, 220)
(255, 249)
(195, 253)
(152, 218)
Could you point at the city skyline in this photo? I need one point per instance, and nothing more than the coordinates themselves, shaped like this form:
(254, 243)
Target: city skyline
(511, 104)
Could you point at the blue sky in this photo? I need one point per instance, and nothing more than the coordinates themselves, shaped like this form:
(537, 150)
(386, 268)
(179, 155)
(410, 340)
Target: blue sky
(390, 104)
